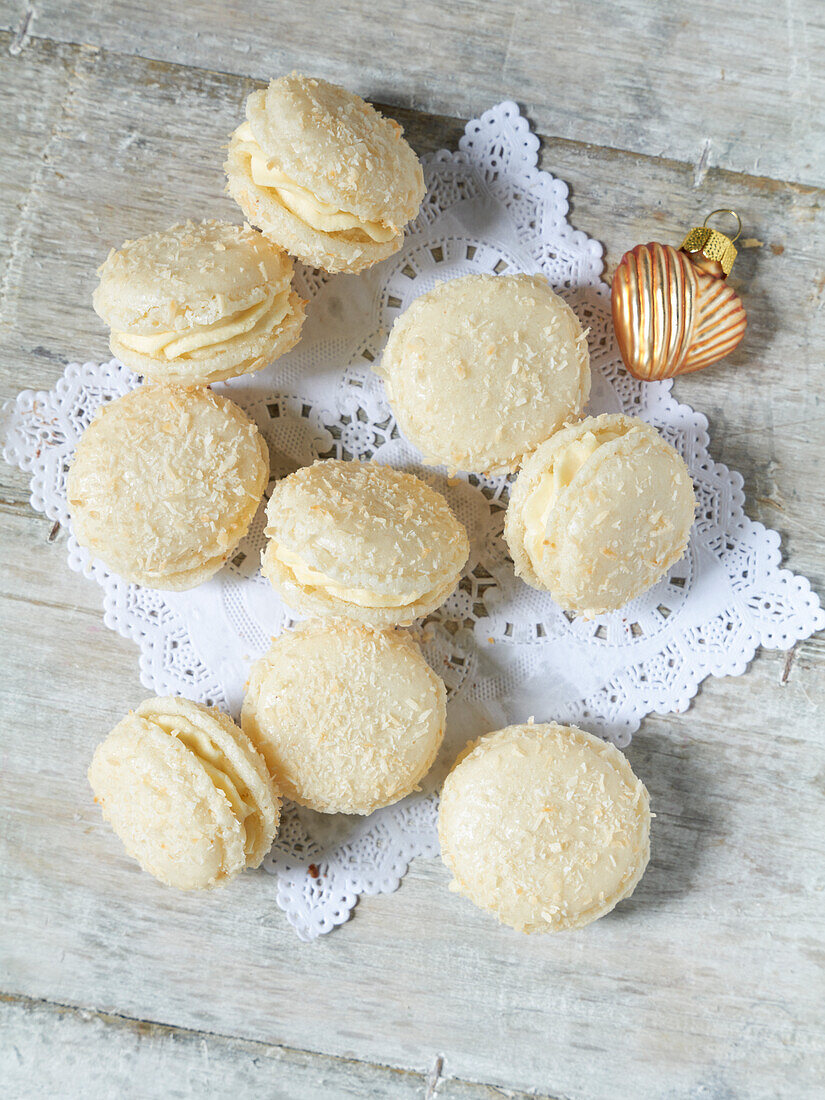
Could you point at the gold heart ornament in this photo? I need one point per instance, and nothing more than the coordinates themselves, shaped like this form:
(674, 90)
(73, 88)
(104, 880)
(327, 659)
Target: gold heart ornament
(673, 312)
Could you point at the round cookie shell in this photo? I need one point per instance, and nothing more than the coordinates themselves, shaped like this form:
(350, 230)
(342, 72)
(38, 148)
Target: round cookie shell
(339, 147)
(165, 482)
(192, 274)
(349, 719)
(544, 826)
(483, 369)
(164, 808)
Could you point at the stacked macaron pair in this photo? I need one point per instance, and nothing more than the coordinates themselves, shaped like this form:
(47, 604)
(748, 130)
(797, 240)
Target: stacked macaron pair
(323, 176)
(167, 479)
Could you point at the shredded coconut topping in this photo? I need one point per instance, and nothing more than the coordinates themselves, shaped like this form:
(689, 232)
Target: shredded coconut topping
(545, 826)
(186, 792)
(165, 483)
(348, 718)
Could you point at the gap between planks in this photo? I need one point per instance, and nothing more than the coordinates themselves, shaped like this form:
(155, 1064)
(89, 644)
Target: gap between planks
(429, 1082)
(700, 167)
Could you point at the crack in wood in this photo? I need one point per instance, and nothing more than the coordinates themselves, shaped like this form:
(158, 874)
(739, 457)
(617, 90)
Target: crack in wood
(786, 668)
(23, 32)
(369, 1072)
(700, 169)
(434, 1077)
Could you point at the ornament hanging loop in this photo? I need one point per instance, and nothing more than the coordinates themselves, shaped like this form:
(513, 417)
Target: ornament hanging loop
(711, 250)
(733, 214)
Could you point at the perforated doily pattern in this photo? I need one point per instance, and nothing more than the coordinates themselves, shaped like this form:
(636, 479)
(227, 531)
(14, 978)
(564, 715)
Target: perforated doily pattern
(504, 650)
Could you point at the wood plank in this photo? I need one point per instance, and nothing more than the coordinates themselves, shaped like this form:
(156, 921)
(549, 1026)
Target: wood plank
(30, 106)
(52, 1050)
(33, 566)
(735, 85)
(706, 979)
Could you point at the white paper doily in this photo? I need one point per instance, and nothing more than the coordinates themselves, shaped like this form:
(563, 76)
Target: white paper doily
(505, 651)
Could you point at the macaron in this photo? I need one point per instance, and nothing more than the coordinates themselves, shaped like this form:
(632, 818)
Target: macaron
(164, 484)
(348, 718)
(199, 302)
(362, 540)
(186, 792)
(481, 370)
(544, 826)
(599, 513)
(324, 174)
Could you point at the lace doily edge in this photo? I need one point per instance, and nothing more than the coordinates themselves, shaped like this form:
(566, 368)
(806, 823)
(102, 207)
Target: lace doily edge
(292, 881)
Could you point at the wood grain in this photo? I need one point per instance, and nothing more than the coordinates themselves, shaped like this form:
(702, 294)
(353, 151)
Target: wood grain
(709, 981)
(667, 79)
(78, 1054)
(727, 915)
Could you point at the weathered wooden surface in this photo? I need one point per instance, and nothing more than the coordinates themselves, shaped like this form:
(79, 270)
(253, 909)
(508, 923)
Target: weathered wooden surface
(77, 1053)
(704, 979)
(708, 982)
(738, 84)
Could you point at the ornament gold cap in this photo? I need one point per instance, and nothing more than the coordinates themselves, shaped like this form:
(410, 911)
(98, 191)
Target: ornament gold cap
(713, 244)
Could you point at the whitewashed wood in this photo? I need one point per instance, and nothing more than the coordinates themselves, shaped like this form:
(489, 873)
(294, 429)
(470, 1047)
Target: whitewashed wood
(706, 983)
(704, 979)
(51, 1050)
(29, 106)
(737, 84)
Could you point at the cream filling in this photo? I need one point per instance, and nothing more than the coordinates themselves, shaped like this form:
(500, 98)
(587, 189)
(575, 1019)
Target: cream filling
(540, 503)
(362, 597)
(220, 770)
(322, 216)
(262, 317)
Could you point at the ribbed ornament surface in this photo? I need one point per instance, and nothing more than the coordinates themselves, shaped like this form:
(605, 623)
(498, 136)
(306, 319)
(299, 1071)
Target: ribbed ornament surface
(670, 317)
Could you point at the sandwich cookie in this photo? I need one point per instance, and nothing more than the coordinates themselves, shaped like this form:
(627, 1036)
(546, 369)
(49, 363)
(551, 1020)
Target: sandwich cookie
(599, 513)
(482, 369)
(348, 718)
(164, 484)
(544, 826)
(323, 174)
(362, 540)
(186, 792)
(199, 303)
